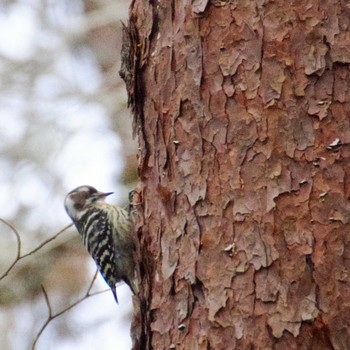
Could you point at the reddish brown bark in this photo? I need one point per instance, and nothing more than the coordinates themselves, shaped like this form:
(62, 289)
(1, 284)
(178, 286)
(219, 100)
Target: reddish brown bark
(242, 113)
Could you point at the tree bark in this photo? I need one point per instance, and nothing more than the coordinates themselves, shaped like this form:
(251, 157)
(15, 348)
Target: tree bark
(242, 114)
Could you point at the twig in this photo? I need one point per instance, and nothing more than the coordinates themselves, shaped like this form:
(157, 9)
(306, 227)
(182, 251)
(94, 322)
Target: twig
(19, 246)
(47, 241)
(92, 282)
(53, 316)
(19, 256)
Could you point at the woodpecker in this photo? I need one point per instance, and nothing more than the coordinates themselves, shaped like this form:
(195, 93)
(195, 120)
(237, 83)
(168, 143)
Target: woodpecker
(106, 232)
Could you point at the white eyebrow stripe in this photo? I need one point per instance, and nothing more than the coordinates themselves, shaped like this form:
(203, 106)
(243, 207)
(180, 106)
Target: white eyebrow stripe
(82, 189)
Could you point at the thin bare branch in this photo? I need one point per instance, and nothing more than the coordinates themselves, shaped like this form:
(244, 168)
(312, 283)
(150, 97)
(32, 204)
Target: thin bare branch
(47, 301)
(47, 241)
(18, 238)
(19, 256)
(92, 282)
(40, 332)
(51, 317)
(19, 246)
(48, 319)
(78, 302)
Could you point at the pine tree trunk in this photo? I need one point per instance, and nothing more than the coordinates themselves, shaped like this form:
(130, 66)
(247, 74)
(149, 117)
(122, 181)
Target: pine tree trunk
(242, 115)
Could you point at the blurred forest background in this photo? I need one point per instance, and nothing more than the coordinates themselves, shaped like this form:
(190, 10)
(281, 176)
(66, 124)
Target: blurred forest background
(63, 123)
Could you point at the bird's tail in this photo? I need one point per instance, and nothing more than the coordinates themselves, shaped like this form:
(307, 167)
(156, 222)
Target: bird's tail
(114, 291)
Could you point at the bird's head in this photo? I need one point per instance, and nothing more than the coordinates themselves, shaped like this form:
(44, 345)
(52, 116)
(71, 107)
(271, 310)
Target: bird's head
(79, 200)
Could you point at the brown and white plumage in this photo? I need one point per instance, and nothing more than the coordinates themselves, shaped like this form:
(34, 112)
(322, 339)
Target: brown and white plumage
(106, 232)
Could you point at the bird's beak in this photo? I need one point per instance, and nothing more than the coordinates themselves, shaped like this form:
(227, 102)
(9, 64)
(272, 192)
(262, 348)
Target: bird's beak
(104, 194)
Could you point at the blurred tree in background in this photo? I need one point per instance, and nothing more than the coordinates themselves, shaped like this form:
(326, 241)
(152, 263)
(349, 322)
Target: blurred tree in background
(63, 123)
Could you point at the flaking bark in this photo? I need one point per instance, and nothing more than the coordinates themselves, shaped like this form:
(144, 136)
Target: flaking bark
(245, 178)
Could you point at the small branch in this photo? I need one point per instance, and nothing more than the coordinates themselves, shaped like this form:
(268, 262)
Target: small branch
(92, 283)
(19, 256)
(47, 301)
(48, 319)
(19, 246)
(46, 242)
(53, 316)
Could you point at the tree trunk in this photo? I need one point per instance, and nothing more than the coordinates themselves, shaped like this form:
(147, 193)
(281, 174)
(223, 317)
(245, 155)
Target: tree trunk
(242, 114)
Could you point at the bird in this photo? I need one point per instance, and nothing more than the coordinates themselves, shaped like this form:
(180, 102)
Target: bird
(106, 231)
